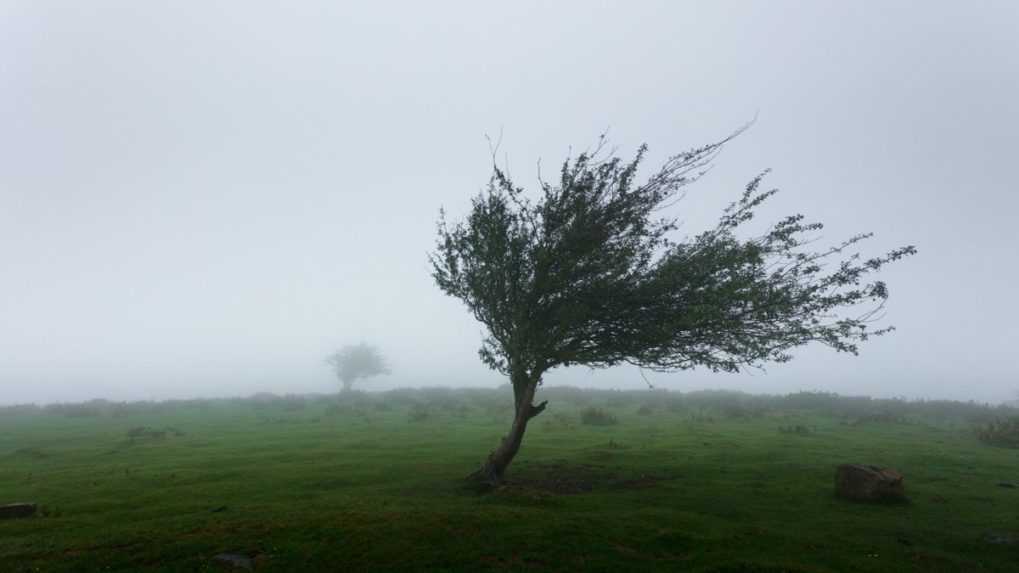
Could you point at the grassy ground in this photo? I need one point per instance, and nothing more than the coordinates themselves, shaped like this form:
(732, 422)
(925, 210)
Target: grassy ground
(375, 484)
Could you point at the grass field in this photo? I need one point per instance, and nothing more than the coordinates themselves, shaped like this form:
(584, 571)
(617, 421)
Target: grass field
(692, 482)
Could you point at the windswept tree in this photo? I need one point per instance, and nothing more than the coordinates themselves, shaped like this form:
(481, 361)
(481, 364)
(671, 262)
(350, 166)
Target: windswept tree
(586, 272)
(357, 361)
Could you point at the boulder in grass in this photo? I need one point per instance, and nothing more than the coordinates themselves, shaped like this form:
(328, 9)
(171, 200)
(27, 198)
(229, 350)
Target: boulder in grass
(860, 482)
(16, 510)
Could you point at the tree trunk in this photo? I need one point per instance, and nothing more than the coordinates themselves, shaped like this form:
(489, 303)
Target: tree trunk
(494, 468)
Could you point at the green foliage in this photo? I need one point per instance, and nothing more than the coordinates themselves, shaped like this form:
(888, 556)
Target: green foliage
(288, 403)
(90, 409)
(597, 417)
(587, 272)
(1003, 432)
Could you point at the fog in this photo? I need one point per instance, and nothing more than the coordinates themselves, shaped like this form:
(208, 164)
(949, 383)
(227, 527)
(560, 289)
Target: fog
(206, 199)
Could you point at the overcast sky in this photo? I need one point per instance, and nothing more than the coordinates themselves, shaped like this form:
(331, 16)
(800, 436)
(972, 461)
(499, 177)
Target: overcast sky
(206, 198)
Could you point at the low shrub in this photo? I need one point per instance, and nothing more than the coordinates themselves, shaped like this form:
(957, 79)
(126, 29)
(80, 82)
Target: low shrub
(90, 409)
(597, 417)
(19, 409)
(880, 418)
(1003, 432)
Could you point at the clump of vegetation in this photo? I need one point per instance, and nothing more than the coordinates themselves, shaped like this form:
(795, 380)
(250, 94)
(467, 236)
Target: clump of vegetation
(645, 410)
(880, 418)
(401, 396)
(597, 417)
(419, 413)
(19, 410)
(701, 416)
(443, 400)
(339, 409)
(267, 401)
(739, 411)
(797, 429)
(1003, 432)
(90, 409)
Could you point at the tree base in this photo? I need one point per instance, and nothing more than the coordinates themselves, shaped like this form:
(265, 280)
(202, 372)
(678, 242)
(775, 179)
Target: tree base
(485, 478)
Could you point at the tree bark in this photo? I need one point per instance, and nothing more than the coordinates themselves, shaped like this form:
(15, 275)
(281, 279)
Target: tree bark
(494, 467)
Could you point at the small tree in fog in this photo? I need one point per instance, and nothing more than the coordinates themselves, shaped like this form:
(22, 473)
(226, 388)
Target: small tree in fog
(357, 361)
(586, 272)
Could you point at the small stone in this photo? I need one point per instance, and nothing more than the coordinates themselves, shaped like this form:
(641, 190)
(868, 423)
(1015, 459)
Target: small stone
(1000, 538)
(235, 560)
(17, 510)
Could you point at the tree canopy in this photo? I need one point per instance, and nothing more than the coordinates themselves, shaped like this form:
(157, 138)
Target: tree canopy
(357, 361)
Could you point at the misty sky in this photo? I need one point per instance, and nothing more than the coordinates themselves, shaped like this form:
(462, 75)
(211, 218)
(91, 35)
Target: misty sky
(206, 198)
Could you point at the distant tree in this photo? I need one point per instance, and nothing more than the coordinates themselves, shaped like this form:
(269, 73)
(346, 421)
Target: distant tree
(357, 361)
(586, 273)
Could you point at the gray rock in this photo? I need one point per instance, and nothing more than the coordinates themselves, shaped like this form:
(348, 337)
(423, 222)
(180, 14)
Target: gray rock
(235, 560)
(1000, 538)
(860, 482)
(16, 510)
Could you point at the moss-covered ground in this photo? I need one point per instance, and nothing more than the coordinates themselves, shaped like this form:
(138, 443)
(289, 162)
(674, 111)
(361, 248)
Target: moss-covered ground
(375, 483)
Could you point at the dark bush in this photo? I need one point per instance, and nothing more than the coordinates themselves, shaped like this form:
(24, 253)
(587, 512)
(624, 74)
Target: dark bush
(90, 409)
(597, 417)
(880, 418)
(19, 410)
(1003, 432)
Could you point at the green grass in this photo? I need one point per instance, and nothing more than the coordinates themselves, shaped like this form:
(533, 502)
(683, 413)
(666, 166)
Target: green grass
(367, 488)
